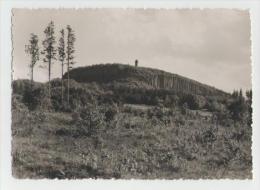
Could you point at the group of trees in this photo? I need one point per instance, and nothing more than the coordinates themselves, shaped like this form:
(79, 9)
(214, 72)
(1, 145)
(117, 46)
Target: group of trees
(49, 51)
(241, 106)
(237, 106)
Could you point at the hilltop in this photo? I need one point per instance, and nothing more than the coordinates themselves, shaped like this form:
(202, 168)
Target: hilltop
(140, 77)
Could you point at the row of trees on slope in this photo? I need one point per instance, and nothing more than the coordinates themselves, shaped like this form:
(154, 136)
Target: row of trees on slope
(64, 52)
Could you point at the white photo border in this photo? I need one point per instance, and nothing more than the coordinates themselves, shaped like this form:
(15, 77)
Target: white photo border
(7, 182)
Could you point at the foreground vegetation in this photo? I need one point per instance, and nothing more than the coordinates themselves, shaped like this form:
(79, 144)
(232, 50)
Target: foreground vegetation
(112, 131)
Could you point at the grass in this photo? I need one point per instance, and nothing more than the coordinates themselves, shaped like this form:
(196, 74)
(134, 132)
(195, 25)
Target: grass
(139, 142)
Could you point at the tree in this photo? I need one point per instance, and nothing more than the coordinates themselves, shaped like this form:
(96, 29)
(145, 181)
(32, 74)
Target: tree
(33, 50)
(92, 118)
(249, 96)
(49, 50)
(70, 54)
(235, 94)
(240, 93)
(249, 105)
(62, 56)
(238, 106)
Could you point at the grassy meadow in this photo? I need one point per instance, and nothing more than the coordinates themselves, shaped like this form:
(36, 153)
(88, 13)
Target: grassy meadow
(104, 134)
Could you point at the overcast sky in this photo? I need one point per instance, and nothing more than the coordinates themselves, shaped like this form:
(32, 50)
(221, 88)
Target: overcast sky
(211, 45)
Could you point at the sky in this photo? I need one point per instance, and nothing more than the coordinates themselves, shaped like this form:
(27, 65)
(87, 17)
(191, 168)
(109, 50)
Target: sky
(211, 46)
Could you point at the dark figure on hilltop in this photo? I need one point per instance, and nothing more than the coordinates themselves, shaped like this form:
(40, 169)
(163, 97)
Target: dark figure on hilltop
(136, 63)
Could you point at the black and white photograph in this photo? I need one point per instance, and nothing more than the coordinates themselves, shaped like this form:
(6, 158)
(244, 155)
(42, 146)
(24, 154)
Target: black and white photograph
(114, 93)
(108, 94)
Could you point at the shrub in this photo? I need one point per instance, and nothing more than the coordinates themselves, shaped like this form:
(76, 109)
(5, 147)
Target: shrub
(157, 111)
(56, 82)
(215, 106)
(180, 121)
(36, 97)
(184, 109)
(111, 112)
(193, 102)
(17, 102)
(75, 116)
(92, 118)
(172, 100)
(19, 86)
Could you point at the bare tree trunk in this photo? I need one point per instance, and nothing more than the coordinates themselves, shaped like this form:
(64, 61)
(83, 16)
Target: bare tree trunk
(31, 77)
(68, 83)
(49, 78)
(62, 83)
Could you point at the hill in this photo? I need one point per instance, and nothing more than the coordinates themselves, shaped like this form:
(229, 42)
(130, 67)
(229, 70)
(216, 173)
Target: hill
(119, 124)
(140, 77)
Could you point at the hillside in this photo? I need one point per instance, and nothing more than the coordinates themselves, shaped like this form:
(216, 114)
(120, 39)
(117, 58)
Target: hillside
(140, 77)
(119, 124)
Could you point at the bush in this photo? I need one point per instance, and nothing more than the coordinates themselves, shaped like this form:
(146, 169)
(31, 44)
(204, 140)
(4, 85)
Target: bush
(184, 109)
(157, 111)
(36, 97)
(215, 106)
(75, 116)
(19, 86)
(17, 102)
(92, 118)
(171, 100)
(111, 112)
(193, 102)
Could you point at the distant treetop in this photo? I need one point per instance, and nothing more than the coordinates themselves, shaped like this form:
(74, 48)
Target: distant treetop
(136, 63)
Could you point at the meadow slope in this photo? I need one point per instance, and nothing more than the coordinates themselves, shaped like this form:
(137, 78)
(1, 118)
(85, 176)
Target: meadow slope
(128, 129)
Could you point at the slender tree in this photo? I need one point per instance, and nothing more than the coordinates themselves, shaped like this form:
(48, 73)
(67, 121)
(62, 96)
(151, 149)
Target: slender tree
(62, 56)
(249, 96)
(33, 50)
(249, 105)
(70, 54)
(49, 50)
